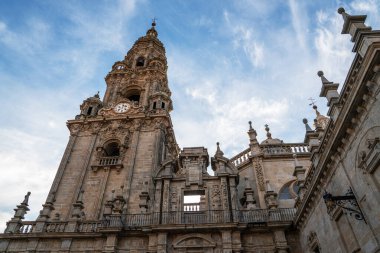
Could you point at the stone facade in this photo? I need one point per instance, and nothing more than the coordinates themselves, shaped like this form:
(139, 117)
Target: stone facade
(123, 181)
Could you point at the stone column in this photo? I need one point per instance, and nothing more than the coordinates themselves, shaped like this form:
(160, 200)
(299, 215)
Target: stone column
(280, 241)
(162, 240)
(111, 244)
(227, 241)
(152, 246)
(236, 242)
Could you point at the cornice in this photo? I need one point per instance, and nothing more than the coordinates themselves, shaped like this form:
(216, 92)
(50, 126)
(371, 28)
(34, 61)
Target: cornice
(338, 133)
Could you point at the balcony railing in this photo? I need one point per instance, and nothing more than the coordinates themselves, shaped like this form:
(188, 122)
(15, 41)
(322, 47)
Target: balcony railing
(191, 207)
(109, 160)
(137, 221)
(200, 217)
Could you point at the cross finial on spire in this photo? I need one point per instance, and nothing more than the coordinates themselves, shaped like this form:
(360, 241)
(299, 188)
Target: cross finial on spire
(314, 105)
(312, 101)
(154, 22)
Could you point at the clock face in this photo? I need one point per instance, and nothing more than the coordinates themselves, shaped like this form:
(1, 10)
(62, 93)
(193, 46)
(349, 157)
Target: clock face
(122, 107)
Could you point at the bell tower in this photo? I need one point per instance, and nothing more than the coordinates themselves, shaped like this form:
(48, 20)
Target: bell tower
(117, 144)
(141, 79)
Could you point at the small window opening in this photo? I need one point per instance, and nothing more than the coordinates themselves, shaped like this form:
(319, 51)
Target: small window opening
(163, 105)
(289, 191)
(112, 149)
(89, 110)
(140, 62)
(154, 105)
(193, 201)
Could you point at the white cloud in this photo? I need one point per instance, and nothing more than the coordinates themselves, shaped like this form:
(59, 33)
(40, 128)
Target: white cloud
(299, 22)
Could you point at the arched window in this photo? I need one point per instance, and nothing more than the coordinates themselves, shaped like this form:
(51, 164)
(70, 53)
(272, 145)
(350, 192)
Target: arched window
(89, 110)
(134, 95)
(112, 149)
(140, 62)
(289, 190)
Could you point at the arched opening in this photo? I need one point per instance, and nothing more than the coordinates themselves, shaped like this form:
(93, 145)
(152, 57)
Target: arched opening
(289, 191)
(134, 95)
(140, 62)
(112, 149)
(89, 111)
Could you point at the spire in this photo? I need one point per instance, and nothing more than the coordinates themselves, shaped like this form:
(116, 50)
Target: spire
(269, 135)
(218, 153)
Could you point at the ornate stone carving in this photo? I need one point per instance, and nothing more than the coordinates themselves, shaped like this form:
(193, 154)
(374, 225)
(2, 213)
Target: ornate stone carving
(173, 199)
(312, 241)
(216, 202)
(260, 175)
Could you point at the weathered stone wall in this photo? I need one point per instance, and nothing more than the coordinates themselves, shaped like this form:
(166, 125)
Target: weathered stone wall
(69, 183)
(342, 232)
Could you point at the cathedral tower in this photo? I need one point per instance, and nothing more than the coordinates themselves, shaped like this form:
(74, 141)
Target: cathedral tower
(116, 144)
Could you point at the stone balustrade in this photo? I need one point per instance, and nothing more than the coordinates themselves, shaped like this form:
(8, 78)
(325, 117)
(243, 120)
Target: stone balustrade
(109, 160)
(241, 158)
(54, 227)
(27, 227)
(191, 207)
(288, 148)
(271, 149)
(137, 221)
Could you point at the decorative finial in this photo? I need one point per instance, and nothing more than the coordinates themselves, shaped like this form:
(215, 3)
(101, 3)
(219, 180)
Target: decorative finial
(26, 198)
(323, 78)
(308, 128)
(250, 125)
(218, 151)
(269, 135)
(316, 110)
(97, 95)
(341, 10)
(152, 31)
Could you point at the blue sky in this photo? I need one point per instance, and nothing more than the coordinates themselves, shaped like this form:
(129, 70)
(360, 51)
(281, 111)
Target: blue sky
(229, 62)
